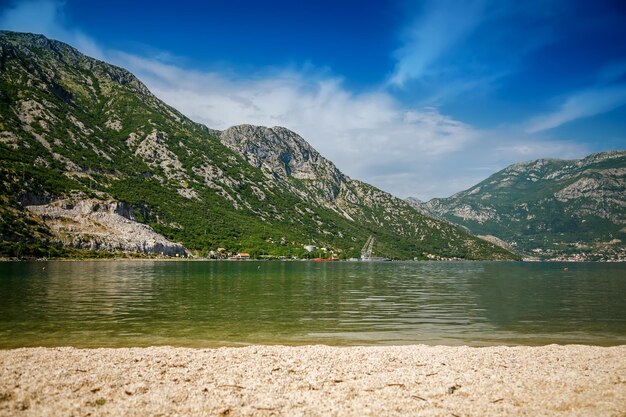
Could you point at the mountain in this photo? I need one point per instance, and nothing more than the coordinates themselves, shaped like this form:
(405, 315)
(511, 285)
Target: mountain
(549, 208)
(287, 158)
(92, 160)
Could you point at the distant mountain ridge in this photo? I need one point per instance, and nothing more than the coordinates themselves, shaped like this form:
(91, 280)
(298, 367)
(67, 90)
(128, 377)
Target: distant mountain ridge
(78, 135)
(558, 209)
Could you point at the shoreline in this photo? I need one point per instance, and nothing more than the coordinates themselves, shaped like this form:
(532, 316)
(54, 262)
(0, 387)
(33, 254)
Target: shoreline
(315, 380)
(171, 259)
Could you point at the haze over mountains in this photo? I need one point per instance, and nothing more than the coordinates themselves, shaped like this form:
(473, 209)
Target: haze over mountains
(550, 208)
(92, 160)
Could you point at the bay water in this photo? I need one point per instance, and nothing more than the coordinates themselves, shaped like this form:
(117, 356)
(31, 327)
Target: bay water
(209, 303)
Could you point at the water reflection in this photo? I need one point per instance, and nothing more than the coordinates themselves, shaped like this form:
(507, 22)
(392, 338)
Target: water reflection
(103, 303)
(549, 298)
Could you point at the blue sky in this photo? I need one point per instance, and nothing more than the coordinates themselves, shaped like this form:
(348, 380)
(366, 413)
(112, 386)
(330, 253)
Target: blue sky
(420, 98)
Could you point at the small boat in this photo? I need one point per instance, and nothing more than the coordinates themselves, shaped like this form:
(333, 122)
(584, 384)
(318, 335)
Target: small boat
(366, 252)
(375, 259)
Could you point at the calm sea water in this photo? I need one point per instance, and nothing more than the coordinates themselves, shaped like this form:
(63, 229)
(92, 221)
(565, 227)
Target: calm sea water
(193, 303)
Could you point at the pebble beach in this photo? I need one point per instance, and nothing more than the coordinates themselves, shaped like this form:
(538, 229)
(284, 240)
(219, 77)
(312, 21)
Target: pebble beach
(553, 380)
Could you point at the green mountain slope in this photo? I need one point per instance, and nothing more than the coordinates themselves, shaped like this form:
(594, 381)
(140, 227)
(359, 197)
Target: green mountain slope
(89, 156)
(289, 160)
(549, 208)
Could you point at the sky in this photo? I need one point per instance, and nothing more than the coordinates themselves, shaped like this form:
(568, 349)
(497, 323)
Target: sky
(419, 98)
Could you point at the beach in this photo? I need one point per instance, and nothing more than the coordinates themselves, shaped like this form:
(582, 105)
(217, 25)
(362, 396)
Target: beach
(572, 380)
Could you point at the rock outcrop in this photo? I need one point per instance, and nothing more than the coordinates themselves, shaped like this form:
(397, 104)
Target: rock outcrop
(281, 153)
(103, 226)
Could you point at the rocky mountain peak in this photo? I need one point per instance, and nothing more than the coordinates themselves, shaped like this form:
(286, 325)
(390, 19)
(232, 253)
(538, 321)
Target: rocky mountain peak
(595, 158)
(530, 166)
(279, 151)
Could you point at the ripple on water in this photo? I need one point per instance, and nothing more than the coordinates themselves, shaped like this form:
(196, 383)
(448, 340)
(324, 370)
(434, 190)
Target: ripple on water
(96, 303)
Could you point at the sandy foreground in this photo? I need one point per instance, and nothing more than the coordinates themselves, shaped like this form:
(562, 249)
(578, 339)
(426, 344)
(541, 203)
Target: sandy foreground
(314, 380)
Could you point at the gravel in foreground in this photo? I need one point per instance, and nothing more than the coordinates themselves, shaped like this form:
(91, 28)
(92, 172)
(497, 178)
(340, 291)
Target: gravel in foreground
(314, 380)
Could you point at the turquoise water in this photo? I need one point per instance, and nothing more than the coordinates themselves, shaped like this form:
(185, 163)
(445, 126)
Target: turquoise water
(194, 303)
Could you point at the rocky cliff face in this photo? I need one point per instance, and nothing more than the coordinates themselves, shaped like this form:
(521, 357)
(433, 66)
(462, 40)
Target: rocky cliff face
(75, 128)
(102, 226)
(548, 207)
(281, 154)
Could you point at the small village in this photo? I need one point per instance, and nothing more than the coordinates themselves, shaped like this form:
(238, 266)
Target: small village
(311, 252)
(606, 252)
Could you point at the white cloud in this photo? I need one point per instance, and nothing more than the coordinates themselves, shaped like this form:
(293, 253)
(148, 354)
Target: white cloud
(37, 16)
(585, 103)
(370, 136)
(438, 28)
(46, 17)
(608, 93)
